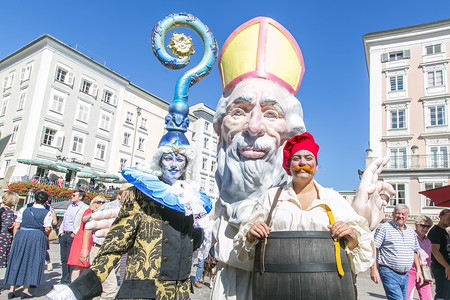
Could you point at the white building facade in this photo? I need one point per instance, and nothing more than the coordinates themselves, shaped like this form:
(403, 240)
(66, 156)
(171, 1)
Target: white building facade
(58, 105)
(409, 110)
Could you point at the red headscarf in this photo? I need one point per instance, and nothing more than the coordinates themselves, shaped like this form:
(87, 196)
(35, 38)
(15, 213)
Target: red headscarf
(304, 141)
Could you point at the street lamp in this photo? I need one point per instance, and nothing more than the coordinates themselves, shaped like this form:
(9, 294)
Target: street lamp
(138, 111)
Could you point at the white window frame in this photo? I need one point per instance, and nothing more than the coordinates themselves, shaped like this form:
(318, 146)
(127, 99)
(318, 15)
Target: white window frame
(434, 78)
(68, 78)
(105, 120)
(8, 81)
(129, 117)
(398, 161)
(438, 156)
(49, 139)
(100, 152)
(112, 99)
(433, 49)
(396, 83)
(15, 132)
(22, 98)
(442, 119)
(122, 163)
(78, 142)
(204, 163)
(126, 138)
(25, 73)
(88, 87)
(143, 123)
(57, 140)
(398, 123)
(206, 143)
(83, 111)
(4, 107)
(5, 167)
(141, 143)
(57, 105)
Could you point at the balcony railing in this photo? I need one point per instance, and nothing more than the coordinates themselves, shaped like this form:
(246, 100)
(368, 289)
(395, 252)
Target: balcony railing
(416, 162)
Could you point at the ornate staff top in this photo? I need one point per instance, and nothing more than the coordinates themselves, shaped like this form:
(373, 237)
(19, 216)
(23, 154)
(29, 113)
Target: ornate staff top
(181, 46)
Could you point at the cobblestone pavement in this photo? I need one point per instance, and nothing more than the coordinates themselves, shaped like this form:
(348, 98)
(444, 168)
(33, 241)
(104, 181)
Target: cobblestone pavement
(366, 288)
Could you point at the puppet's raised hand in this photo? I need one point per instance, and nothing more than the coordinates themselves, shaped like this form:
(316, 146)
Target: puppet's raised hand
(102, 220)
(367, 201)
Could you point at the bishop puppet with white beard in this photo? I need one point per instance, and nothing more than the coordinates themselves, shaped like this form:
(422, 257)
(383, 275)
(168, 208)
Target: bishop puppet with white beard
(261, 67)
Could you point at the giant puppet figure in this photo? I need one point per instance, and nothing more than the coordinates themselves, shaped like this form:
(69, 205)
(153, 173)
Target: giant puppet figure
(155, 224)
(261, 67)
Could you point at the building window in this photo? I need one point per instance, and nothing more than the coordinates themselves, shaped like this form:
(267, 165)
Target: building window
(395, 55)
(398, 119)
(5, 167)
(213, 166)
(439, 157)
(437, 115)
(25, 73)
(141, 143)
(429, 186)
(204, 163)
(205, 143)
(57, 103)
(100, 152)
(396, 83)
(129, 117)
(211, 186)
(22, 97)
(398, 158)
(109, 97)
(143, 123)
(7, 81)
(88, 87)
(435, 78)
(4, 106)
(122, 164)
(64, 76)
(126, 138)
(206, 126)
(49, 136)
(83, 113)
(14, 134)
(400, 194)
(432, 49)
(105, 121)
(202, 183)
(77, 145)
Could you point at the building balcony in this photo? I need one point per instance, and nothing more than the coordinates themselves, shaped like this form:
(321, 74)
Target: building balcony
(416, 162)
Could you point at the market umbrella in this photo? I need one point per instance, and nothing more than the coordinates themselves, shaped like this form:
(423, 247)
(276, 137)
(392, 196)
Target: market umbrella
(69, 166)
(108, 177)
(45, 164)
(440, 196)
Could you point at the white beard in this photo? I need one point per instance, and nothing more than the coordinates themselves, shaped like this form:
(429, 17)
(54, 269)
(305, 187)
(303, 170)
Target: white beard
(240, 178)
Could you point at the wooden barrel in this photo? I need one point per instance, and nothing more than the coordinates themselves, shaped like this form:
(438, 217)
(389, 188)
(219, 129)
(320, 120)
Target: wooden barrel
(301, 265)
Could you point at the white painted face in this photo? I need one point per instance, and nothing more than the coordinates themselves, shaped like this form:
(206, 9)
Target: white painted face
(173, 167)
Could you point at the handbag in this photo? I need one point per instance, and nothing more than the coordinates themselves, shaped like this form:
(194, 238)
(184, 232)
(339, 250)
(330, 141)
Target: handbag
(52, 236)
(426, 273)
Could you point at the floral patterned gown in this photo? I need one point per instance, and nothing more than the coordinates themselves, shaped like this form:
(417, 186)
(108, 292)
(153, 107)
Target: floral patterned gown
(7, 220)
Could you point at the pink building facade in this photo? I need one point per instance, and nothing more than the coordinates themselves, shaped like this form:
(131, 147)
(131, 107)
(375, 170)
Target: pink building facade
(409, 110)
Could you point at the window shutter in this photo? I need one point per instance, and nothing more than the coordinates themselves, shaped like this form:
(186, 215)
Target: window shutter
(94, 90)
(114, 102)
(384, 57)
(22, 74)
(407, 53)
(70, 79)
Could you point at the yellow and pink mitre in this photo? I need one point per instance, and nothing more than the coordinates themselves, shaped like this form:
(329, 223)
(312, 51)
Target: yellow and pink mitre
(261, 48)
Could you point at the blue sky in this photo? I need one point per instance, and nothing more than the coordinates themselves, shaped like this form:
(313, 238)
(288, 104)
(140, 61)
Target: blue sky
(335, 88)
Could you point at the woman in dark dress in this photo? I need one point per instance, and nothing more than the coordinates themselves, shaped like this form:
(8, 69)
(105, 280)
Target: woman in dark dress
(7, 218)
(26, 262)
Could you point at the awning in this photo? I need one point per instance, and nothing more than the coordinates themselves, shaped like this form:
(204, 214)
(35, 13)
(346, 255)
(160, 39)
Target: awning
(45, 164)
(108, 177)
(69, 166)
(87, 175)
(440, 196)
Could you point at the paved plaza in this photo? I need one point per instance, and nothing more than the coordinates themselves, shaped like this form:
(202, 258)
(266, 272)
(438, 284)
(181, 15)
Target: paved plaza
(366, 288)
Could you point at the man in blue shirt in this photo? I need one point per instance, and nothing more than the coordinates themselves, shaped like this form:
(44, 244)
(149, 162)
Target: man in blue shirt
(397, 250)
